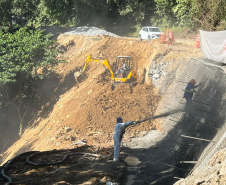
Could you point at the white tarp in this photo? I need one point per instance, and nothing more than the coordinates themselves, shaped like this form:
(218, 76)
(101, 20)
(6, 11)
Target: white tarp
(213, 45)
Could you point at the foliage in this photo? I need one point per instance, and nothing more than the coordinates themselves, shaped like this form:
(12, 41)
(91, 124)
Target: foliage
(23, 52)
(111, 14)
(182, 12)
(209, 14)
(5, 14)
(24, 8)
(165, 14)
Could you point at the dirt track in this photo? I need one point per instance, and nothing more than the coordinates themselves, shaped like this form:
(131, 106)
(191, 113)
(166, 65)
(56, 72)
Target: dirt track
(87, 110)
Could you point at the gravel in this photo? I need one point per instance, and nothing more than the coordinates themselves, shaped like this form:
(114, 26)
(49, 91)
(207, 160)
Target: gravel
(89, 31)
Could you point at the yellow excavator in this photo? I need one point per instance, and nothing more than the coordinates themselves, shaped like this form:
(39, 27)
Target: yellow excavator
(121, 72)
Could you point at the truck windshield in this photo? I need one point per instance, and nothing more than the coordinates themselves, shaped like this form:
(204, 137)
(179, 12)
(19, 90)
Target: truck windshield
(154, 30)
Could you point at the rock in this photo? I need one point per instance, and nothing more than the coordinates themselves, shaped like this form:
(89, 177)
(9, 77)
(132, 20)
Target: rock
(62, 183)
(132, 161)
(58, 143)
(103, 180)
(73, 138)
(90, 91)
(67, 129)
(156, 75)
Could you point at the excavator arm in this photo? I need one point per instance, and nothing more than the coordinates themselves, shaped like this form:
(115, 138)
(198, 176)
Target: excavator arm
(102, 61)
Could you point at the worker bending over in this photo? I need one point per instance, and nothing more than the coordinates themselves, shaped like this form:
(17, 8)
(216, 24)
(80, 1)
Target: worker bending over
(119, 131)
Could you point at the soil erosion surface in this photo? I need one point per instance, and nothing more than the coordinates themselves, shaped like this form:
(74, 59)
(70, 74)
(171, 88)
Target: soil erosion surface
(85, 112)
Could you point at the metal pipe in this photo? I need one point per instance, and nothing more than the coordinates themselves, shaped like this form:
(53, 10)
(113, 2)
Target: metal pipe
(197, 138)
(189, 162)
(178, 178)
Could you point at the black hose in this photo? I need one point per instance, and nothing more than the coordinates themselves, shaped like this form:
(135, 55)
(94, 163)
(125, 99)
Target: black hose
(33, 153)
(59, 161)
(5, 166)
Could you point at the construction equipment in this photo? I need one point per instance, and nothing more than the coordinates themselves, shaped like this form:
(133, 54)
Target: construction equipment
(122, 71)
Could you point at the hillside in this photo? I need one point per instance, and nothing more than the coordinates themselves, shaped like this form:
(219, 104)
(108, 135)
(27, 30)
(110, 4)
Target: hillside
(85, 110)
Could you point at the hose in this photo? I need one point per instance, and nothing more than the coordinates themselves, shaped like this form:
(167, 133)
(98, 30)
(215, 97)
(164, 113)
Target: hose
(5, 166)
(60, 161)
(33, 153)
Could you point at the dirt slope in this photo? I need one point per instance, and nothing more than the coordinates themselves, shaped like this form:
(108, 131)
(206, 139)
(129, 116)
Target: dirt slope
(87, 110)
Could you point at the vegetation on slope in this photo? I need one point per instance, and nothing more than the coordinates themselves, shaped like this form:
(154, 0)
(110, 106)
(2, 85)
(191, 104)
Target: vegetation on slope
(115, 14)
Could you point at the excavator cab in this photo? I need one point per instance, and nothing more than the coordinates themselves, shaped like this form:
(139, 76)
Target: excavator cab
(123, 65)
(123, 70)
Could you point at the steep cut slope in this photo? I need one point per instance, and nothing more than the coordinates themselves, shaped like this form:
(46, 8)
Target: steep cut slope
(88, 109)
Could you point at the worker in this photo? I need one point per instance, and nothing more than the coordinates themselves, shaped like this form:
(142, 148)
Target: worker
(123, 70)
(119, 131)
(188, 94)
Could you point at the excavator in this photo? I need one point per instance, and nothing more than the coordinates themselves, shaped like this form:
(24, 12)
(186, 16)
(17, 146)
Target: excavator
(121, 72)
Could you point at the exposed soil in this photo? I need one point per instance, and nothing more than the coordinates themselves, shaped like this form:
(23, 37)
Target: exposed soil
(86, 110)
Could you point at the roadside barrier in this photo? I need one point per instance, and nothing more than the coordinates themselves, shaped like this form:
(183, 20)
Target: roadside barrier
(171, 36)
(162, 38)
(197, 44)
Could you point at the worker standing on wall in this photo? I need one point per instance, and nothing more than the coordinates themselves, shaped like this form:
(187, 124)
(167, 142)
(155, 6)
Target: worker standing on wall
(188, 94)
(119, 131)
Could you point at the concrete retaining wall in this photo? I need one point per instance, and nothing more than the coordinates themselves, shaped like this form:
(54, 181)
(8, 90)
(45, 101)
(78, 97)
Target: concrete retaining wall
(205, 120)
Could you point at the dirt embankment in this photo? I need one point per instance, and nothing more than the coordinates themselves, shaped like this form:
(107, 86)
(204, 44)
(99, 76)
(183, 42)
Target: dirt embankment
(87, 111)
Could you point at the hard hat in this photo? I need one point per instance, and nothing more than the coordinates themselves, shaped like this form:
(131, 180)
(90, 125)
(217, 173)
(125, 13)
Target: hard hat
(193, 81)
(119, 119)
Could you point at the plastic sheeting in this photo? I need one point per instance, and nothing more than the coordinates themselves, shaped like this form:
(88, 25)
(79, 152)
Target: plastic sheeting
(213, 45)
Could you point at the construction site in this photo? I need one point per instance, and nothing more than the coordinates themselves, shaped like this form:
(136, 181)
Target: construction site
(70, 141)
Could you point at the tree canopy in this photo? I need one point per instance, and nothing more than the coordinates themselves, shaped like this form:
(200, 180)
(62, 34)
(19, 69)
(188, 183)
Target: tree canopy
(197, 14)
(23, 52)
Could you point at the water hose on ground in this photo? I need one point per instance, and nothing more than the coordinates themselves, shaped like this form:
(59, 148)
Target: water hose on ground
(33, 153)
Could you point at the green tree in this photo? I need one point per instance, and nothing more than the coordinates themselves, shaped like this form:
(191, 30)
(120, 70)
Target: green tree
(17, 13)
(209, 14)
(22, 54)
(165, 15)
(183, 12)
(57, 11)
(5, 14)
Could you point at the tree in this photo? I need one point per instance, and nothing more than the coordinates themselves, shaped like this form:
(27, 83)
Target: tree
(57, 11)
(183, 12)
(22, 54)
(165, 15)
(209, 14)
(5, 14)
